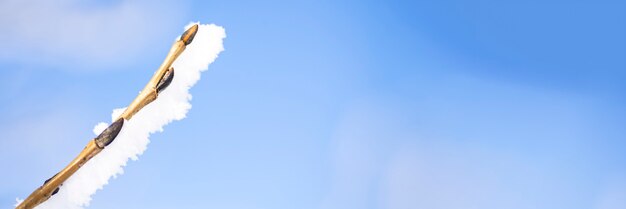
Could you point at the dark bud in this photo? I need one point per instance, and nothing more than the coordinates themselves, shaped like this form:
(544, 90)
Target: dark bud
(55, 190)
(165, 80)
(45, 182)
(188, 35)
(108, 135)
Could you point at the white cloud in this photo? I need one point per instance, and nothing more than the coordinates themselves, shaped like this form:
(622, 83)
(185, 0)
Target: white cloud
(69, 31)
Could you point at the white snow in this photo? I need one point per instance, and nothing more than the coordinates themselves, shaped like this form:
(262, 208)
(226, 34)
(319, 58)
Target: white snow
(172, 104)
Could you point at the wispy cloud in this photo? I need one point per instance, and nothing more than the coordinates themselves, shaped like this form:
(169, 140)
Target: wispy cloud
(396, 155)
(70, 31)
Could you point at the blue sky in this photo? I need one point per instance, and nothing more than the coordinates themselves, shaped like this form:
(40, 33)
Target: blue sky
(331, 104)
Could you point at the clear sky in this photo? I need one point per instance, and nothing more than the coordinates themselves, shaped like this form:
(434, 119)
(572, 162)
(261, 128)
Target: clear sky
(330, 104)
